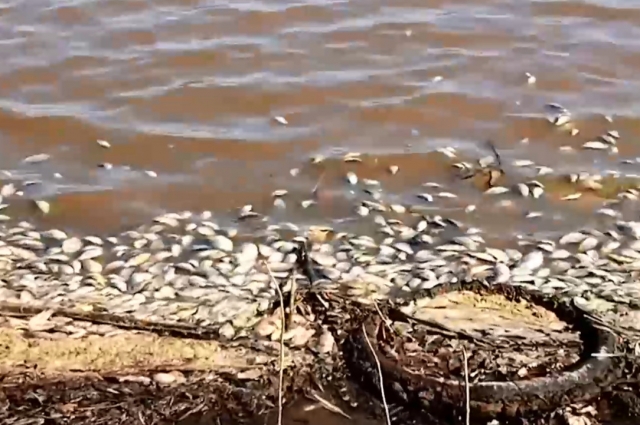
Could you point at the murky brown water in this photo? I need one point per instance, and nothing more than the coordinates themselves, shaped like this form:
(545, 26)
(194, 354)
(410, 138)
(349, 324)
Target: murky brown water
(191, 89)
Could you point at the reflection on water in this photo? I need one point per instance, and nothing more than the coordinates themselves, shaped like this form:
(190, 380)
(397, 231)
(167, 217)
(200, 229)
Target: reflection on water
(190, 90)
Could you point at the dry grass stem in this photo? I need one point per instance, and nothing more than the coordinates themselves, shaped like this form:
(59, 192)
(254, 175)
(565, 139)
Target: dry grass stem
(292, 301)
(282, 330)
(386, 320)
(382, 393)
(466, 387)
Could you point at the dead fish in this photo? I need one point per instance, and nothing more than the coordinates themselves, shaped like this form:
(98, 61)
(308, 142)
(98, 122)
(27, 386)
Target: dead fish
(33, 159)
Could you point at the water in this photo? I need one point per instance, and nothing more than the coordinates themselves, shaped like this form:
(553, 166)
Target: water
(191, 89)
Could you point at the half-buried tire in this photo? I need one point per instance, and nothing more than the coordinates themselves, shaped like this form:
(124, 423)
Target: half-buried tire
(442, 399)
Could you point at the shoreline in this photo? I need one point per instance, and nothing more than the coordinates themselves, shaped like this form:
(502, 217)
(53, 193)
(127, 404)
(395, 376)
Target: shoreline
(183, 276)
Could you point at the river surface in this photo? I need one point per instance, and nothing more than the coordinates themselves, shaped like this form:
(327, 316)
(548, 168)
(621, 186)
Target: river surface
(209, 105)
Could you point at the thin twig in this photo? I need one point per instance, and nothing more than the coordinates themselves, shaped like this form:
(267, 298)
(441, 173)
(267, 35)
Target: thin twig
(466, 386)
(382, 316)
(329, 406)
(496, 155)
(375, 357)
(282, 330)
(605, 355)
(317, 186)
